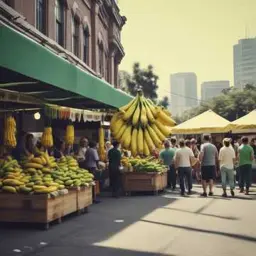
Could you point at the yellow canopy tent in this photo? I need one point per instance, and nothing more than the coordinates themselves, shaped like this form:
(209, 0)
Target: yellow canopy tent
(246, 122)
(207, 122)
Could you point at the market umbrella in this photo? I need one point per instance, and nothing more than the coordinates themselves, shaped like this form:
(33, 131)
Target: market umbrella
(246, 122)
(207, 122)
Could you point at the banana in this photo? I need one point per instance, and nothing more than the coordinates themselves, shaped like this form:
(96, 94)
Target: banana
(143, 113)
(128, 114)
(117, 126)
(134, 142)
(140, 141)
(126, 137)
(120, 132)
(158, 132)
(145, 149)
(164, 129)
(154, 137)
(149, 113)
(149, 141)
(151, 107)
(127, 106)
(114, 119)
(165, 119)
(136, 115)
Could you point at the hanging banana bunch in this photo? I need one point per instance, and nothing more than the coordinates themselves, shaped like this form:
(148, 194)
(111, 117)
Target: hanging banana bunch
(102, 154)
(70, 134)
(47, 139)
(140, 126)
(10, 132)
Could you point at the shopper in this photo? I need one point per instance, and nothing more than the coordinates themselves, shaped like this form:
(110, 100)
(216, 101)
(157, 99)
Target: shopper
(174, 143)
(83, 145)
(114, 156)
(91, 163)
(209, 159)
(183, 159)
(227, 159)
(167, 156)
(196, 164)
(245, 156)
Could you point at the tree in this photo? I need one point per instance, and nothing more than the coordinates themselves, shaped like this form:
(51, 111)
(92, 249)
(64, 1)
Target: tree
(164, 102)
(231, 104)
(145, 79)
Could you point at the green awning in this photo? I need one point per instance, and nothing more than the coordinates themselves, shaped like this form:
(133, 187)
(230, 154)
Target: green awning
(25, 56)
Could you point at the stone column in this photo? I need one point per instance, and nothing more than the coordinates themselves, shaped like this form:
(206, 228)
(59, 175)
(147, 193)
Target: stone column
(51, 22)
(68, 31)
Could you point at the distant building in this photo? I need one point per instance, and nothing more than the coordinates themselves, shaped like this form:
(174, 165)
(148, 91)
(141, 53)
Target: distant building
(183, 92)
(212, 89)
(245, 62)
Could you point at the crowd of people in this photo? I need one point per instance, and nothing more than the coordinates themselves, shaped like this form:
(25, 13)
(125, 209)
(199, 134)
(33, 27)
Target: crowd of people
(184, 159)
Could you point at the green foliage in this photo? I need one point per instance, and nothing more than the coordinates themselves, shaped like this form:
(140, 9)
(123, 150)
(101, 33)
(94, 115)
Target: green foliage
(231, 104)
(145, 79)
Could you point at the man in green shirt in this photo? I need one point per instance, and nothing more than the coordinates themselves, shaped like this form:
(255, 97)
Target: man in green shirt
(167, 156)
(245, 157)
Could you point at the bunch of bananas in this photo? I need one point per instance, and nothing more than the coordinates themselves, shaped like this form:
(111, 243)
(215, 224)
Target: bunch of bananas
(102, 153)
(140, 126)
(70, 135)
(47, 139)
(10, 132)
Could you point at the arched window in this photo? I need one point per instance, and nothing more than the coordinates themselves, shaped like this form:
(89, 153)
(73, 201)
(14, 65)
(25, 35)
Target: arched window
(101, 59)
(86, 45)
(59, 18)
(41, 15)
(75, 35)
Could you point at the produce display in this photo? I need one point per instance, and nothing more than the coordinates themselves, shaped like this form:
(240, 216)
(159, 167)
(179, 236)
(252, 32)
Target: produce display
(149, 164)
(102, 153)
(47, 139)
(70, 135)
(10, 132)
(42, 175)
(140, 126)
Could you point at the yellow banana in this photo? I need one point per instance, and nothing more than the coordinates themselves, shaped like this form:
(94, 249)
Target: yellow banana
(127, 106)
(164, 129)
(114, 119)
(117, 126)
(149, 141)
(119, 134)
(145, 149)
(126, 137)
(151, 107)
(128, 114)
(140, 141)
(165, 119)
(134, 142)
(154, 137)
(143, 113)
(158, 132)
(149, 113)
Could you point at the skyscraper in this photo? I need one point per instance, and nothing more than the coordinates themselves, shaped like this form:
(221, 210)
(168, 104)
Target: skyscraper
(212, 89)
(183, 92)
(245, 62)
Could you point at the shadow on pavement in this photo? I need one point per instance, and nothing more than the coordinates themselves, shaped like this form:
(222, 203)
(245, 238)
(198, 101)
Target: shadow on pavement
(235, 236)
(82, 232)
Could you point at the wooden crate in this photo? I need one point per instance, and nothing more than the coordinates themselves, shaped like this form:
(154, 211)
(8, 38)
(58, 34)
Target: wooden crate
(143, 182)
(84, 198)
(30, 208)
(70, 202)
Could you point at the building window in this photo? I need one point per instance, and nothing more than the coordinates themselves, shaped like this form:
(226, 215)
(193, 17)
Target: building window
(41, 15)
(59, 17)
(86, 46)
(101, 59)
(9, 2)
(75, 36)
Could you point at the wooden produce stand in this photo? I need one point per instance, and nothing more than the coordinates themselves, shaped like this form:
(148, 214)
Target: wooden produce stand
(144, 182)
(43, 209)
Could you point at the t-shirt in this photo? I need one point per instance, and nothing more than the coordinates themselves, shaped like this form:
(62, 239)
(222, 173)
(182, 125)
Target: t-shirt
(167, 156)
(114, 157)
(226, 156)
(245, 154)
(81, 153)
(91, 158)
(184, 155)
(209, 154)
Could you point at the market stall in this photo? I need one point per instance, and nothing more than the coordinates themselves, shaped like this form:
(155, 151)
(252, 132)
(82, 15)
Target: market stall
(141, 127)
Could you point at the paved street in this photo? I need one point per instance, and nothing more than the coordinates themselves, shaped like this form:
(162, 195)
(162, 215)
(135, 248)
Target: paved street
(144, 226)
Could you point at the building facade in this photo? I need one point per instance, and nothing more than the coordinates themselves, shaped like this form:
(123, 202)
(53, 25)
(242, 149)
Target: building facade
(244, 54)
(88, 29)
(183, 92)
(211, 89)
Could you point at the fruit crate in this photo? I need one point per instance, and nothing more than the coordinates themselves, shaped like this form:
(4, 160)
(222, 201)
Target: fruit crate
(42, 209)
(144, 182)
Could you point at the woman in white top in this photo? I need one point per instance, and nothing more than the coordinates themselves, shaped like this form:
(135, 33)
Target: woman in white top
(227, 159)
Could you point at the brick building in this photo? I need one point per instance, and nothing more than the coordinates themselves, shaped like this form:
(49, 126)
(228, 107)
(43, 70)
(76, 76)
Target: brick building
(89, 29)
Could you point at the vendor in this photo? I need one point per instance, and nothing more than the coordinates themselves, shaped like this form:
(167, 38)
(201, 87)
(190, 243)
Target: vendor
(29, 148)
(83, 145)
(59, 150)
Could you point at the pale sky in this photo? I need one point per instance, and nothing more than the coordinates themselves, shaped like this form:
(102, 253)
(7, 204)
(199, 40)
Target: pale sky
(185, 36)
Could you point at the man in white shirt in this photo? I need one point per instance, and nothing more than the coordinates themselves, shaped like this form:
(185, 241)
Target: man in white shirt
(183, 160)
(227, 159)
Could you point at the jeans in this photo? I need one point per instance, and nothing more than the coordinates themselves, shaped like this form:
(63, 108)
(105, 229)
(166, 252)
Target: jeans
(172, 177)
(245, 173)
(185, 172)
(227, 174)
